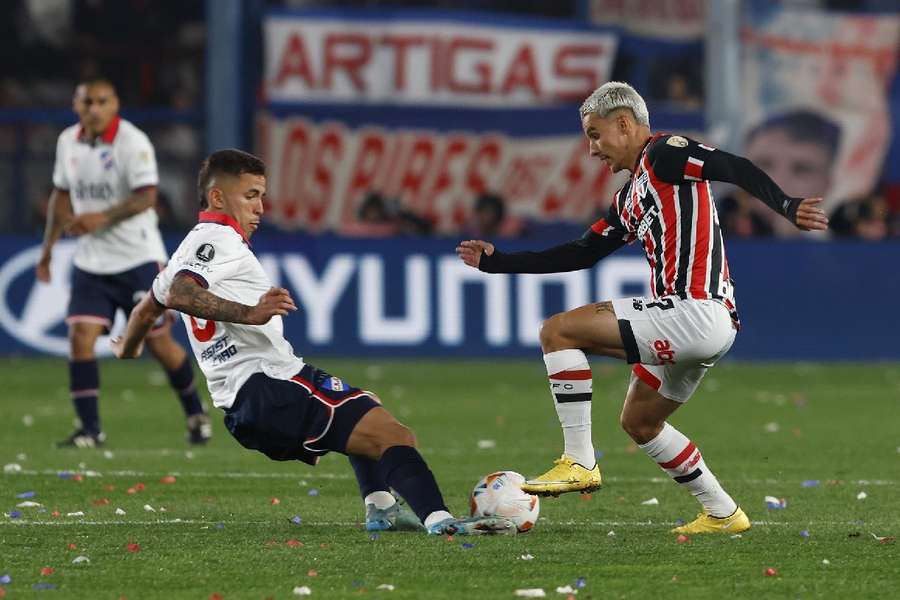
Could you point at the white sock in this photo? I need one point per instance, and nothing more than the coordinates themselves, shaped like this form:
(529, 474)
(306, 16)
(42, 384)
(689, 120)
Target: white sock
(381, 500)
(436, 517)
(572, 386)
(681, 459)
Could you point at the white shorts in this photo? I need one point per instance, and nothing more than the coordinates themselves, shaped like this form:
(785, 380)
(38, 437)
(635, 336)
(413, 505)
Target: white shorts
(673, 342)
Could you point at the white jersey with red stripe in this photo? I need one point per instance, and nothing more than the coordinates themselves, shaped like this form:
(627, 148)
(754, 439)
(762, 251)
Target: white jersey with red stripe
(676, 223)
(99, 174)
(217, 255)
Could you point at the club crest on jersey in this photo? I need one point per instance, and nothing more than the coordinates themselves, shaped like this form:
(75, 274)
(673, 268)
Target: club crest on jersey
(677, 141)
(334, 384)
(106, 157)
(206, 252)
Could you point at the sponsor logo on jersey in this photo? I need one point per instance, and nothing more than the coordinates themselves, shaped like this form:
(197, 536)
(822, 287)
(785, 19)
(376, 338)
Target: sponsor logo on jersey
(206, 252)
(677, 141)
(334, 384)
(647, 221)
(84, 190)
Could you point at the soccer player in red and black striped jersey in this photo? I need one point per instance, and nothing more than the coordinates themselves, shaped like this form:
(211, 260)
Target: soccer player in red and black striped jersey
(671, 338)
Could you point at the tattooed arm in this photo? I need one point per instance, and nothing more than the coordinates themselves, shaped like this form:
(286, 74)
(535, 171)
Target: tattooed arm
(140, 322)
(188, 296)
(139, 201)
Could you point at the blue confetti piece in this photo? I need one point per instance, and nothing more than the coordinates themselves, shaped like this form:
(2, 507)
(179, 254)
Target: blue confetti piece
(804, 533)
(26, 495)
(15, 514)
(467, 545)
(296, 520)
(220, 525)
(64, 475)
(680, 522)
(598, 454)
(580, 582)
(373, 536)
(313, 492)
(810, 483)
(44, 586)
(5, 579)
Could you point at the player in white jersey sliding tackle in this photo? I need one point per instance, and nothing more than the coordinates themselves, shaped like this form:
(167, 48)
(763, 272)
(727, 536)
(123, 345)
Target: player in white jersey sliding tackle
(104, 192)
(675, 336)
(273, 401)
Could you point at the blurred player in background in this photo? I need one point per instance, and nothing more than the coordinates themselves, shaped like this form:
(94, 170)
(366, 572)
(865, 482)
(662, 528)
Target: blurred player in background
(675, 336)
(105, 173)
(273, 401)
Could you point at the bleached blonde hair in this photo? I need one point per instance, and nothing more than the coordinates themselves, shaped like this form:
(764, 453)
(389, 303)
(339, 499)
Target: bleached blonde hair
(613, 95)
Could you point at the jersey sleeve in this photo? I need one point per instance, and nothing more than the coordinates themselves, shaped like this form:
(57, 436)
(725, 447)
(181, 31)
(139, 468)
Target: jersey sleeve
(602, 239)
(206, 258)
(60, 180)
(140, 164)
(676, 159)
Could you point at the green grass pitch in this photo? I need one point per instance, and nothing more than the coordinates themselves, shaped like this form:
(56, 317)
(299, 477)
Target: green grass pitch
(766, 430)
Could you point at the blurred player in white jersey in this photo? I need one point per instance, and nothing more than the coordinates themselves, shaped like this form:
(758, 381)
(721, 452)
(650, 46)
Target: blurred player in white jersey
(673, 337)
(104, 192)
(273, 401)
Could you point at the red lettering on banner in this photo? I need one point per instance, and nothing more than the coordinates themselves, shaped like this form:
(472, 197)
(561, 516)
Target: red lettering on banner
(442, 181)
(525, 175)
(366, 168)
(436, 78)
(485, 159)
(292, 170)
(399, 44)
(522, 72)
(327, 157)
(586, 75)
(417, 164)
(482, 68)
(295, 62)
(361, 51)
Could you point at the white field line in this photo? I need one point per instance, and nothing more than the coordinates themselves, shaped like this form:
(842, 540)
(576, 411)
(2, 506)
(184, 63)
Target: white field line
(209, 524)
(312, 474)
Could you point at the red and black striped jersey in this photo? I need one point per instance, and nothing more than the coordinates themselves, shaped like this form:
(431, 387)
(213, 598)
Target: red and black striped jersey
(674, 218)
(668, 205)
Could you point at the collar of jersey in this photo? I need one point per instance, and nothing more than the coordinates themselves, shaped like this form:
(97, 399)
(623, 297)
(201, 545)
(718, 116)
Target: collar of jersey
(221, 219)
(643, 149)
(107, 136)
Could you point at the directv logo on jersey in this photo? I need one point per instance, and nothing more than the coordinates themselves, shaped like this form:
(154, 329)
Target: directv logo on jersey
(206, 252)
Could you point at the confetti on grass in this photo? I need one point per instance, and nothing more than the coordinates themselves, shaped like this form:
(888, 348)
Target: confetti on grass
(296, 520)
(386, 586)
(26, 495)
(771, 572)
(650, 502)
(81, 560)
(775, 503)
(810, 483)
(862, 496)
(531, 593)
(133, 547)
(302, 591)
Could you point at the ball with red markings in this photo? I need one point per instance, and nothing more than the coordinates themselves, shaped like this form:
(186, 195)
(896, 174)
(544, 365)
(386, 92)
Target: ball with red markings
(500, 495)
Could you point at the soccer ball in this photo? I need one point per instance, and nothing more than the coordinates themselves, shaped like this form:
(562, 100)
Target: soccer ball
(500, 495)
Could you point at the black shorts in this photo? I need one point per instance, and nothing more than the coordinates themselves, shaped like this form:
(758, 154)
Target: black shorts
(302, 418)
(95, 298)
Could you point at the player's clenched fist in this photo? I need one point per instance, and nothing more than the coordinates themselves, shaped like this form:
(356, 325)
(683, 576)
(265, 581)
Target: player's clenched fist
(276, 301)
(470, 251)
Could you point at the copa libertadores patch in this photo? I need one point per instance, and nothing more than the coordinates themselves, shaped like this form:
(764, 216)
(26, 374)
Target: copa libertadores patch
(206, 252)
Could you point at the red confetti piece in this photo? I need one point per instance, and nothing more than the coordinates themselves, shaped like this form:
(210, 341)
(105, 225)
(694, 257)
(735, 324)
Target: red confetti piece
(72, 547)
(681, 539)
(139, 487)
(109, 487)
(168, 479)
(294, 543)
(771, 572)
(216, 597)
(101, 502)
(77, 477)
(2, 592)
(272, 543)
(323, 546)
(586, 497)
(47, 571)
(55, 513)
(133, 547)
(312, 573)
(274, 501)
(131, 490)
(449, 538)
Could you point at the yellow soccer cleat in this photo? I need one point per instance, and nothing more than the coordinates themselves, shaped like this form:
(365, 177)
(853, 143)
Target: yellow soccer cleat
(566, 476)
(705, 523)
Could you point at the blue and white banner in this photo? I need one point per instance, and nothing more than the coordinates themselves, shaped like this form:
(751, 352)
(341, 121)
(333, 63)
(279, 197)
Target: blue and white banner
(376, 298)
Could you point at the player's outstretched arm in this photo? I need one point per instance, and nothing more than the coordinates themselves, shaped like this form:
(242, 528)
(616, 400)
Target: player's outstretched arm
(810, 216)
(188, 296)
(140, 322)
(59, 211)
(572, 256)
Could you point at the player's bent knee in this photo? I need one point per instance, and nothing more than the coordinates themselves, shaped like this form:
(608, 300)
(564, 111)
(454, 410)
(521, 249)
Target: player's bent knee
(551, 334)
(638, 429)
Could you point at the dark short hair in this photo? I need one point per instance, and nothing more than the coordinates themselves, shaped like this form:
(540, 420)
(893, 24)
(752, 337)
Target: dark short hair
(226, 162)
(98, 80)
(803, 125)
